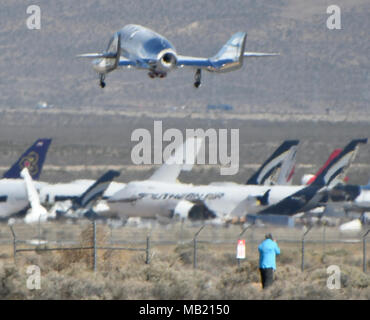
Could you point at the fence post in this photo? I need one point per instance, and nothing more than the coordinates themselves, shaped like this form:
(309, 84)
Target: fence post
(195, 247)
(14, 243)
(303, 241)
(364, 261)
(147, 259)
(324, 237)
(252, 240)
(182, 231)
(240, 235)
(94, 240)
(39, 229)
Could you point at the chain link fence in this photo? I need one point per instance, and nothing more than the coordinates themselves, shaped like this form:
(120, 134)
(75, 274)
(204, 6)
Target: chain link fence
(83, 235)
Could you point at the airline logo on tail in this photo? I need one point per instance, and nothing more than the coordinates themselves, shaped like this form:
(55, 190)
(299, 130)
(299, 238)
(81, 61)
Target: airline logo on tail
(333, 155)
(30, 162)
(339, 164)
(33, 159)
(286, 151)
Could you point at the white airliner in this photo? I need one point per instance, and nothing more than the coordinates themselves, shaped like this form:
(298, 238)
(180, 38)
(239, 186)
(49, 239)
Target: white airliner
(78, 194)
(151, 199)
(135, 46)
(13, 192)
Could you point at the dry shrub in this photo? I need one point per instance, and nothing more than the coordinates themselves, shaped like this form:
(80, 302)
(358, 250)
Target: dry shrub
(354, 278)
(68, 257)
(186, 253)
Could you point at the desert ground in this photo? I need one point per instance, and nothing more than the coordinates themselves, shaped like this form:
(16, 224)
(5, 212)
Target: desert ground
(170, 274)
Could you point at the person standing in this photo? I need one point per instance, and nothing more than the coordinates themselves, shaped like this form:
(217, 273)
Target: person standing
(268, 250)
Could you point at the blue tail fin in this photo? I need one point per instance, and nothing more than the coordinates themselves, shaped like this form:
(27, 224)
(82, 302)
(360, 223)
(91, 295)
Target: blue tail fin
(33, 159)
(339, 164)
(96, 190)
(273, 163)
(231, 55)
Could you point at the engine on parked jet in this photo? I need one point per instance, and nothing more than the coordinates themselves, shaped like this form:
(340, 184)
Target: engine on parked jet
(193, 211)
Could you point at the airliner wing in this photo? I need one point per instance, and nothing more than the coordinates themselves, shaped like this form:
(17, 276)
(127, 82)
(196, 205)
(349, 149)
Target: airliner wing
(182, 160)
(37, 212)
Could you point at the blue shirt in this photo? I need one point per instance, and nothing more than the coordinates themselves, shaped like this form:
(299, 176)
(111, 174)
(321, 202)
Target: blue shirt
(268, 250)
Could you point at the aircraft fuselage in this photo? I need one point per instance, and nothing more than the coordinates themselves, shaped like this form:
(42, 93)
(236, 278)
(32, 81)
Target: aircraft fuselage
(148, 49)
(149, 199)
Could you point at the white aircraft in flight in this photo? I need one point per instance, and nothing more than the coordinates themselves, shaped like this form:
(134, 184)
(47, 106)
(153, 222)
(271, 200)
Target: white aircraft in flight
(135, 46)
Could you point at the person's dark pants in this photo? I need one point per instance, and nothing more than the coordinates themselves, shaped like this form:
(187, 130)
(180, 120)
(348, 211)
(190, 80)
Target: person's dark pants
(267, 277)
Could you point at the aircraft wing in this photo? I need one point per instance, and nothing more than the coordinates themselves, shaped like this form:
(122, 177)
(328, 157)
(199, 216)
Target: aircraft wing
(229, 58)
(124, 62)
(182, 160)
(37, 212)
(195, 62)
(105, 55)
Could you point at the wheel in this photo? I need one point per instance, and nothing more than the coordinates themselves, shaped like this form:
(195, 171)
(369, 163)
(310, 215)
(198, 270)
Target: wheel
(197, 78)
(197, 84)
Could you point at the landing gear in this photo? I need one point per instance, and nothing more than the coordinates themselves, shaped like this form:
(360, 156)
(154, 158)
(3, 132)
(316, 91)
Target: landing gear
(102, 82)
(197, 78)
(151, 75)
(157, 74)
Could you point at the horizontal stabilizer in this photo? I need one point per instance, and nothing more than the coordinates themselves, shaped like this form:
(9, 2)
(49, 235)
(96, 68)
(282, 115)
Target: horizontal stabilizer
(260, 54)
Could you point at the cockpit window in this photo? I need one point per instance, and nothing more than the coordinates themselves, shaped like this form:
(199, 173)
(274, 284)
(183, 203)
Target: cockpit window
(156, 45)
(133, 34)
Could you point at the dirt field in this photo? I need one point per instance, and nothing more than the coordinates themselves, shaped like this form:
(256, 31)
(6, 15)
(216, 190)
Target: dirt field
(171, 274)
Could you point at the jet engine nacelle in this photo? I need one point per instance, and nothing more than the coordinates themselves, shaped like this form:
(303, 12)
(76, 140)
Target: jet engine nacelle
(193, 211)
(167, 60)
(182, 209)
